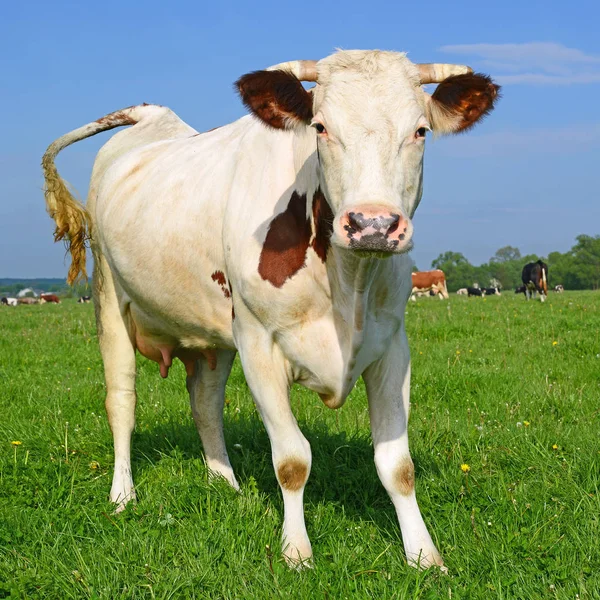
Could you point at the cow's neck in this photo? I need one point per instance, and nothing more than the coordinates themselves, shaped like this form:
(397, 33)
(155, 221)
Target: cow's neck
(349, 276)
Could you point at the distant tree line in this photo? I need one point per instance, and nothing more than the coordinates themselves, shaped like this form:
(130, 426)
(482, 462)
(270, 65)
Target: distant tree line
(11, 287)
(577, 269)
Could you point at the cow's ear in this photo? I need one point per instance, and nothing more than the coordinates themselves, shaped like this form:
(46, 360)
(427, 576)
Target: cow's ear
(277, 98)
(460, 101)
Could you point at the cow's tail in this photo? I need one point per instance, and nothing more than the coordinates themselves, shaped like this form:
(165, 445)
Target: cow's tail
(544, 281)
(73, 223)
(444, 290)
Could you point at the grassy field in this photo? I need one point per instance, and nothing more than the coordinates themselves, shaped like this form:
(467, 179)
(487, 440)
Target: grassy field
(509, 388)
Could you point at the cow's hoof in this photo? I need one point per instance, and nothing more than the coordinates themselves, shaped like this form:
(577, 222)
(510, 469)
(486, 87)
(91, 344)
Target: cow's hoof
(425, 560)
(122, 501)
(298, 557)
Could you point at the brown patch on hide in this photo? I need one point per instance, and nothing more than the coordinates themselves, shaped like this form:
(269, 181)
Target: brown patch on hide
(292, 474)
(323, 219)
(284, 251)
(116, 119)
(219, 277)
(277, 98)
(470, 96)
(404, 476)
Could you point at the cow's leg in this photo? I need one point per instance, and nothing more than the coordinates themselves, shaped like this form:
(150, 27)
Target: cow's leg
(207, 396)
(388, 386)
(118, 355)
(269, 381)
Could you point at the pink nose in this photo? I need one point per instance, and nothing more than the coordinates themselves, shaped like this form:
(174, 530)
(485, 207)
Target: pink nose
(374, 230)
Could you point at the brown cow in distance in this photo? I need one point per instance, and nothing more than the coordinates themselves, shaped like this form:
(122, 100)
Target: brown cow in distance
(425, 281)
(51, 298)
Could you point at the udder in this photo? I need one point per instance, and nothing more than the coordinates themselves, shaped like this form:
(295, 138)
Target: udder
(163, 353)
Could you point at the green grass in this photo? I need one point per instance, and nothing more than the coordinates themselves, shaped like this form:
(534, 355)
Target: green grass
(510, 388)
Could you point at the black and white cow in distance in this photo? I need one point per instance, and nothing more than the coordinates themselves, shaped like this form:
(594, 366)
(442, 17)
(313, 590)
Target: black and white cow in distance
(9, 301)
(559, 288)
(280, 220)
(535, 278)
(492, 291)
(475, 291)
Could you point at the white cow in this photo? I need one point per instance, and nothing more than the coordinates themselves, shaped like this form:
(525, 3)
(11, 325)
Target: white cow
(265, 237)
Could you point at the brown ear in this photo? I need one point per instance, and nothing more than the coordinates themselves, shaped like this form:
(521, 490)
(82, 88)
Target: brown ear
(461, 100)
(277, 98)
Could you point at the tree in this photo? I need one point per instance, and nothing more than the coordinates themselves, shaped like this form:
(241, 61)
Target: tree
(586, 255)
(458, 270)
(506, 254)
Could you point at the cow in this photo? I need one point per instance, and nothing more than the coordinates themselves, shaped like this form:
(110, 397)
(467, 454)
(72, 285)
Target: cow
(559, 289)
(475, 291)
(535, 278)
(492, 291)
(294, 223)
(462, 292)
(50, 298)
(84, 300)
(435, 281)
(9, 301)
(28, 300)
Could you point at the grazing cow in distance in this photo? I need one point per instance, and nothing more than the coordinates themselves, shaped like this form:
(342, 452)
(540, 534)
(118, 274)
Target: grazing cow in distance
(28, 300)
(9, 301)
(266, 237)
(475, 291)
(535, 278)
(520, 290)
(435, 281)
(50, 298)
(84, 300)
(462, 292)
(559, 289)
(493, 291)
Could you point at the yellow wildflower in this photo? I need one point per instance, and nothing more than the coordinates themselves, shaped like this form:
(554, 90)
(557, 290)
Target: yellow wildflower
(465, 468)
(458, 352)
(526, 423)
(16, 443)
(94, 464)
(554, 447)
(555, 343)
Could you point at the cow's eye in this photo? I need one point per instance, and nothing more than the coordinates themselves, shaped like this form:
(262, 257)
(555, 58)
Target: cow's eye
(320, 127)
(421, 132)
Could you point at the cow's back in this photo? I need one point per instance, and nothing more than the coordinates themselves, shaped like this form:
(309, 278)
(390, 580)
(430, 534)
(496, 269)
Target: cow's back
(159, 218)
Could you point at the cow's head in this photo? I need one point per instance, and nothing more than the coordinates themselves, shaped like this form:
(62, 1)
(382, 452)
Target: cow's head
(370, 117)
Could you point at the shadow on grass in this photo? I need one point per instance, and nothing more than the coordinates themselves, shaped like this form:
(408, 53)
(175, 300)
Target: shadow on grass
(343, 471)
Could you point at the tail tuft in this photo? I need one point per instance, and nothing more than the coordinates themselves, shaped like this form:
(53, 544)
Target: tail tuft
(71, 218)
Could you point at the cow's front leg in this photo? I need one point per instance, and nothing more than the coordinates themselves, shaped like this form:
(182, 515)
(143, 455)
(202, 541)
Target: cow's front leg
(388, 387)
(269, 381)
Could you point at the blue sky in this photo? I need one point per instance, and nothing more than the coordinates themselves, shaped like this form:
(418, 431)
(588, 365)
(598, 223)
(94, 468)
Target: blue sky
(528, 176)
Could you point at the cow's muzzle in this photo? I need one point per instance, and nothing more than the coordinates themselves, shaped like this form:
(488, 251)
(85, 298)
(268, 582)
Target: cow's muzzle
(375, 229)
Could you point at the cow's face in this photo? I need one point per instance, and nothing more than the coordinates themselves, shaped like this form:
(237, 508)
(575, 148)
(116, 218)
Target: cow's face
(370, 117)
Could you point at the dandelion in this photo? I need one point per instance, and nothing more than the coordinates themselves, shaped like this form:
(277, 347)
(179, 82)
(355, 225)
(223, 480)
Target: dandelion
(555, 343)
(470, 350)
(94, 465)
(554, 447)
(465, 468)
(17, 443)
(526, 423)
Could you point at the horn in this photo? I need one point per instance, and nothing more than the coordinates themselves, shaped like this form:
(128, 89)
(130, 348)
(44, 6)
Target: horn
(437, 72)
(304, 70)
